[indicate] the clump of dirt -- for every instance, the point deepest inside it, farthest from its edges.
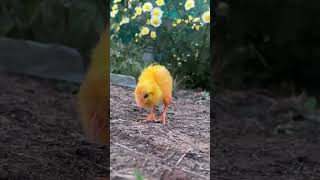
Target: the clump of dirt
(40, 135)
(258, 135)
(153, 148)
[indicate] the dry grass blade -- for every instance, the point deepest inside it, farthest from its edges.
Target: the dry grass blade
(127, 148)
(183, 156)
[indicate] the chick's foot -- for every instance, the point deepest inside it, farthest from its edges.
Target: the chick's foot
(151, 117)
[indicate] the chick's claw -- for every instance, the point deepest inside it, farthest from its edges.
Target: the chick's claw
(151, 117)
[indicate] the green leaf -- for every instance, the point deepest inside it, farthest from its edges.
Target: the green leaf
(138, 175)
(127, 32)
(173, 14)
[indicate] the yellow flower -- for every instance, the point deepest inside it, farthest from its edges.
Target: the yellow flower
(196, 19)
(197, 27)
(125, 10)
(174, 24)
(148, 22)
(189, 4)
(138, 10)
(133, 17)
(124, 20)
(206, 17)
(147, 7)
(117, 28)
(129, 4)
(160, 2)
(113, 13)
(153, 34)
(155, 21)
(145, 31)
(178, 21)
(190, 18)
(115, 7)
(186, 21)
(156, 12)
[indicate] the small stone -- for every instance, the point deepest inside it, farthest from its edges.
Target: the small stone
(123, 80)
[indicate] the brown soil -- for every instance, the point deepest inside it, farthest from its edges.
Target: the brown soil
(40, 136)
(255, 135)
(260, 136)
(153, 148)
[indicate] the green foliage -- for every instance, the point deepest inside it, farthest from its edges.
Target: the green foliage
(138, 175)
(17, 15)
(124, 61)
(184, 48)
(68, 22)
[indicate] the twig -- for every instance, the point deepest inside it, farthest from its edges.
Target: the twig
(183, 156)
(125, 147)
(170, 156)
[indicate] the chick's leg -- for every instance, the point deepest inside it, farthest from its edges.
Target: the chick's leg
(152, 115)
(166, 102)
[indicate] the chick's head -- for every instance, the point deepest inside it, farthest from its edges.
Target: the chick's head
(147, 94)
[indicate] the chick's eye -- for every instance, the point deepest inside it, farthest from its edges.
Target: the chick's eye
(145, 96)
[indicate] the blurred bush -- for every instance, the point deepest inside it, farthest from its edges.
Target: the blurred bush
(124, 61)
(177, 31)
(69, 22)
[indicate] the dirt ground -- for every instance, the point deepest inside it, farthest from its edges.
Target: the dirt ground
(255, 134)
(40, 136)
(258, 135)
(152, 148)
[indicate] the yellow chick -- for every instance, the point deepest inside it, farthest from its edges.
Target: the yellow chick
(154, 85)
(94, 94)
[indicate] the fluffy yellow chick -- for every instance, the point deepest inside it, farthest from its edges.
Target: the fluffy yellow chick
(154, 85)
(94, 94)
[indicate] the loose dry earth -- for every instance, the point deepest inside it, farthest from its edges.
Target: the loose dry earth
(40, 136)
(260, 136)
(256, 135)
(152, 148)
